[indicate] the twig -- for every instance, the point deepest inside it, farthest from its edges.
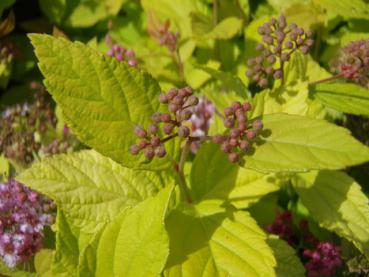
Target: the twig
(179, 168)
(326, 80)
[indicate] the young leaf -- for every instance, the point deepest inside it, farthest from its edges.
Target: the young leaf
(345, 8)
(225, 29)
(336, 201)
(65, 258)
(229, 82)
(221, 244)
(214, 177)
(291, 99)
(296, 143)
(43, 260)
(102, 99)
(136, 242)
(288, 264)
(344, 97)
(89, 187)
(79, 13)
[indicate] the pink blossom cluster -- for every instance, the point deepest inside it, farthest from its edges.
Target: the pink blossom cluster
(321, 258)
(353, 63)
(324, 260)
(201, 119)
(22, 220)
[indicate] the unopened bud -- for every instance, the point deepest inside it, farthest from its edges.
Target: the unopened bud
(163, 98)
(250, 135)
(149, 153)
(233, 157)
(140, 132)
(153, 129)
(183, 131)
(134, 149)
(244, 145)
(229, 123)
(168, 129)
(160, 151)
(257, 125)
(155, 141)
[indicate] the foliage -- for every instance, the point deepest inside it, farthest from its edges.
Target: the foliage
(178, 130)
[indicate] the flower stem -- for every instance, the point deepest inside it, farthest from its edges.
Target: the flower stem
(179, 168)
(326, 80)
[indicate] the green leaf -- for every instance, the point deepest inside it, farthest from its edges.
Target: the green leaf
(221, 244)
(65, 258)
(345, 8)
(214, 177)
(102, 99)
(336, 201)
(250, 187)
(4, 4)
(288, 264)
(343, 97)
(89, 187)
(136, 242)
(291, 99)
(14, 272)
(80, 13)
(43, 260)
(305, 15)
(226, 29)
(296, 143)
(229, 83)
(179, 17)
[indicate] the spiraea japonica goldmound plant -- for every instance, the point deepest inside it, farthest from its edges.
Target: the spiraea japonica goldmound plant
(214, 144)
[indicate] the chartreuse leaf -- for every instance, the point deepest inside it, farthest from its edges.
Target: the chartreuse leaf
(89, 187)
(336, 201)
(217, 244)
(80, 13)
(344, 97)
(214, 177)
(14, 272)
(288, 264)
(179, 17)
(291, 99)
(136, 242)
(228, 82)
(43, 261)
(65, 258)
(226, 29)
(251, 186)
(345, 8)
(102, 99)
(296, 143)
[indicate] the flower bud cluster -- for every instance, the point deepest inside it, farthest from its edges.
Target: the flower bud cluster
(24, 129)
(353, 62)
(241, 133)
(123, 54)
(23, 215)
(164, 36)
(324, 260)
(180, 103)
(279, 42)
(202, 117)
